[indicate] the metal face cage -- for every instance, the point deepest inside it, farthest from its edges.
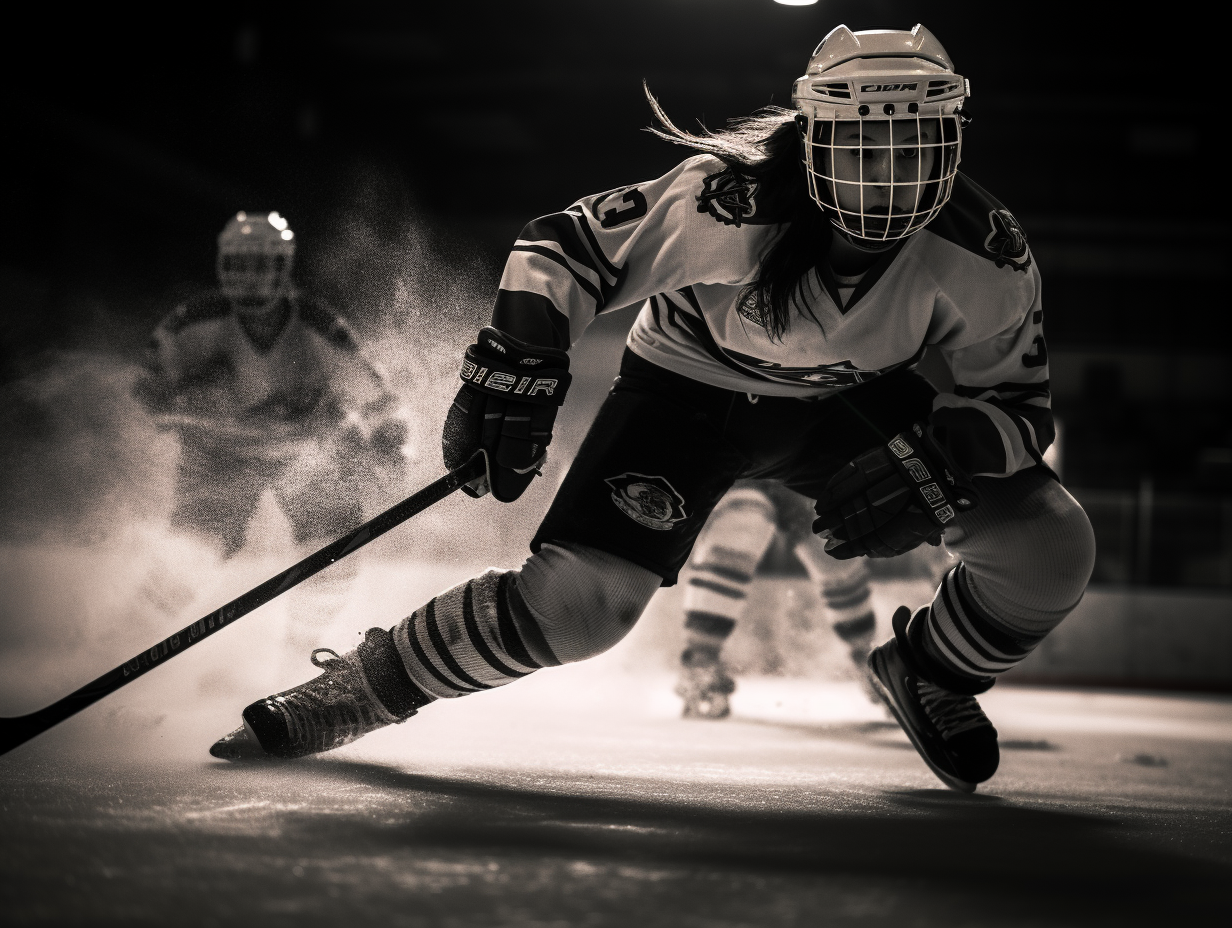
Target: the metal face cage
(881, 178)
(253, 278)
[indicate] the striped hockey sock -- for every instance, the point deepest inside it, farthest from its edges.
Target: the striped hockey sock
(845, 591)
(965, 638)
(848, 600)
(475, 636)
(717, 588)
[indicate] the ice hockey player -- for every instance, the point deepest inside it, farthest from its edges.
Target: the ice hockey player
(790, 276)
(268, 389)
(722, 570)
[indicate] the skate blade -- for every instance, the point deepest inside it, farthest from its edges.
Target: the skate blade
(239, 745)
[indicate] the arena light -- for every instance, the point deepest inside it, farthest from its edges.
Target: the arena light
(795, 2)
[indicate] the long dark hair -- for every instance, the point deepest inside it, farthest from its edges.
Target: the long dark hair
(765, 147)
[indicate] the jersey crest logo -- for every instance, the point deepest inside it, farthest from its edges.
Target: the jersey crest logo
(749, 308)
(1007, 241)
(651, 502)
(729, 197)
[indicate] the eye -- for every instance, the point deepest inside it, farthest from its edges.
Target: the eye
(908, 153)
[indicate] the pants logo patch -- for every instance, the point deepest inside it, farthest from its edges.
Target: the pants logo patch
(651, 502)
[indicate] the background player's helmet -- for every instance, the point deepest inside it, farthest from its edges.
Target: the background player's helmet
(880, 125)
(254, 259)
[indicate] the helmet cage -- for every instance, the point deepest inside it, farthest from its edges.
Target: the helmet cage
(890, 84)
(255, 253)
(829, 186)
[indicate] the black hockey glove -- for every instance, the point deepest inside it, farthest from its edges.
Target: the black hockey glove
(505, 408)
(892, 498)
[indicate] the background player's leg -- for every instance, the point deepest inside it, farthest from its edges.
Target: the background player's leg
(215, 498)
(322, 501)
(716, 591)
(216, 495)
(845, 591)
(565, 604)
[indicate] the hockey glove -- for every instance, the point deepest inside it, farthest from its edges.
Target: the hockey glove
(892, 498)
(505, 408)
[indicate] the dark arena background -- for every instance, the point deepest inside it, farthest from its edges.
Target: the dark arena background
(406, 146)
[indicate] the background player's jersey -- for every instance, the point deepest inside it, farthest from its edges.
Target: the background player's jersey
(299, 370)
(688, 244)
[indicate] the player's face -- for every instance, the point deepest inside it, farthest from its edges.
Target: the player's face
(880, 167)
(252, 281)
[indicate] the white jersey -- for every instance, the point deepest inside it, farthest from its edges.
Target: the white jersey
(303, 370)
(687, 245)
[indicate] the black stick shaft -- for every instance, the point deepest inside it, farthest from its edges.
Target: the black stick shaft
(20, 729)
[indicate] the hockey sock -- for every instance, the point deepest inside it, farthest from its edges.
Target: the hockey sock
(844, 590)
(475, 636)
(721, 571)
(962, 636)
(1027, 552)
(566, 603)
(387, 677)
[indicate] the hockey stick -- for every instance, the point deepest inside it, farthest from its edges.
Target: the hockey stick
(20, 729)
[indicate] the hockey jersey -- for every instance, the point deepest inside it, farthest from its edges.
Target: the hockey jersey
(686, 246)
(300, 366)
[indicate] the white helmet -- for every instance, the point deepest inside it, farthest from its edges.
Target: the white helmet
(254, 259)
(879, 113)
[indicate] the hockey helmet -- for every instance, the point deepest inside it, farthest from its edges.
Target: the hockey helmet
(880, 118)
(255, 251)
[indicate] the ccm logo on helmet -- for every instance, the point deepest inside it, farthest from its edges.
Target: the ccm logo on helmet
(886, 88)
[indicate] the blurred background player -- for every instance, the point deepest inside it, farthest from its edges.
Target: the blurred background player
(724, 567)
(267, 389)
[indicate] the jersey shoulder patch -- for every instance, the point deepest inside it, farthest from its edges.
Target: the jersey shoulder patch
(735, 198)
(197, 309)
(320, 319)
(974, 220)
(729, 196)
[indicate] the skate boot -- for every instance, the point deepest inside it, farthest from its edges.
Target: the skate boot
(864, 676)
(704, 685)
(944, 722)
(357, 693)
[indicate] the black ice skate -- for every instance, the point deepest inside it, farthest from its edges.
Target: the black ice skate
(948, 728)
(704, 685)
(335, 708)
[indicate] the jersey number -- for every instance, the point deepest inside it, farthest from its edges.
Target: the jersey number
(1038, 355)
(635, 209)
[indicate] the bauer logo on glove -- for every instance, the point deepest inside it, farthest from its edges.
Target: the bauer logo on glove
(892, 498)
(505, 408)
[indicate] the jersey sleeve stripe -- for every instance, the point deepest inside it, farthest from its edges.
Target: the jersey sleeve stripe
(562, 230)
(1026, 428)
(551, 254)
(511, 304)
(1007, 387)
(614, 273)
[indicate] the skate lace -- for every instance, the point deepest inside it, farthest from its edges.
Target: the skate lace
(327, 712)
(952, 713)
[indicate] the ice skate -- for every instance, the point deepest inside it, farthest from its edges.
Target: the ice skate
(864, 676)
(949, 729)
(333, 709)
(704, 685)
(239, 745)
